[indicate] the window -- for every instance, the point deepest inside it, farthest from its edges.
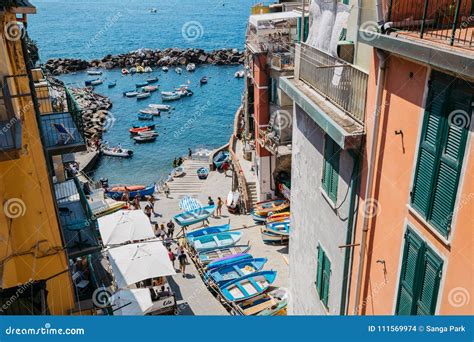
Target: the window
(419, 278)
(331, 168)
(322, 276)
(441, 152)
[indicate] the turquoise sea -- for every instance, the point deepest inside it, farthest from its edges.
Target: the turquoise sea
(92, 29)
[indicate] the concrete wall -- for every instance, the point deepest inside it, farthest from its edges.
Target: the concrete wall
(314, 219)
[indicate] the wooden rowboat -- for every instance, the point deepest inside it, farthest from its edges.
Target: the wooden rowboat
(206, 258)
(212, 241)
(235, 270)
(266, 304)
(248, 286)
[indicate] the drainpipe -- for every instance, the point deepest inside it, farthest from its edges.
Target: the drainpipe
(381, 56)
(352, 214)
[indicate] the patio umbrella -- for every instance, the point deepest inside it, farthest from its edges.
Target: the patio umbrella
(132, 302)
(124, 226)
(135, 262)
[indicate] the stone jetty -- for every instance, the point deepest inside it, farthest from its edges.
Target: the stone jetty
(148, 57)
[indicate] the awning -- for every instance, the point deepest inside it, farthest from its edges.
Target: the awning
(124, 226)
(135, 262)
(132, 302)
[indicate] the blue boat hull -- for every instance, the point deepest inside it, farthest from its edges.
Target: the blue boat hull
(194, 216)
(208, 242)
(228, 260)
(248, 286)
(235, 270)
(219, 254)
(207, 230)
(117, 195)
(220, 159)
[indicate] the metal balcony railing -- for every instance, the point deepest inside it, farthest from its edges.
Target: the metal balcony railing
(450, 21)
(339, 82)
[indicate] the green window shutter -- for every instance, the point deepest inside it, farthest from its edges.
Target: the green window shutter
(326, 278)
(331, 168)
(428, 152)
(319, 272)
(407, 289)
(453, 148)
(431, 268)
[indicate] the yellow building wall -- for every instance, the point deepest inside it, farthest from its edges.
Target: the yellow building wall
(30, 241)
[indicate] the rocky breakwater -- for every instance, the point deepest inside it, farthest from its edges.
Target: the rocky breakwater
(95, 112)
(148, 57)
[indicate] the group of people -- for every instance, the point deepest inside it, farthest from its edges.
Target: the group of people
(179, 161)
(219, 205)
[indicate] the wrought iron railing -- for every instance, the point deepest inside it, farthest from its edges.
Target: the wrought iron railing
(450, 21)
(339, 82)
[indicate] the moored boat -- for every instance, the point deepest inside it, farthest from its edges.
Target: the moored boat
(149, 88)
(209, 257)
(117, 151)
(229, 259)
(248, 286)
(144, 138)
(111, 84)
(142, 116)
(266, 304)
(152, 80)
(125, 71)
(141, 84)
(171, 96)
(218, 240)
(271, 237)
(281, 227)
(136, 129)
(202, 172)
(160, 106)
(194, 216)
(178, 70)
(278, 217)
(148, 69)
(235, 270)
(239, 74)
(131, 93)
(203, 80)
(164, 69)
(271, 206)
(142, 96)
(116, 192)
(150, 111)
(191, 67)
(206, 231)
(221, 158)
(147, 133)
(94, 72)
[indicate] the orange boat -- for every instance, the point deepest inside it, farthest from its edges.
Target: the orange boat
(278, 217)
(135, 130)
(272, 206)
(130, 188)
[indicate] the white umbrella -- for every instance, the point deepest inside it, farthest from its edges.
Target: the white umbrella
(135, 262)
(125, 225)
(132, 302)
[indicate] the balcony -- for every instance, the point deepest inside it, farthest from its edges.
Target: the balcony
(441, 21)
(277, 135)
(75, 216)
(332, 91)
(61, 134)
(282, 61)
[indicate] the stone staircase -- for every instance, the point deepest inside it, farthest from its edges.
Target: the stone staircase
(252, 190)
(189, 183)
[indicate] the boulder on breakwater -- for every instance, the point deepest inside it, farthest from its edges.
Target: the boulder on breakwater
(148, 57)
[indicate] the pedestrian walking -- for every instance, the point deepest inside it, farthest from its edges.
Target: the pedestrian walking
(151, 203)
(225, 167)
(166, 189)
(170, 226)
(210, 201)
(136, 202)
(162, 231)
(148, 211)
(190, 153)
(219, 206)
(171, 256)
(182, 263)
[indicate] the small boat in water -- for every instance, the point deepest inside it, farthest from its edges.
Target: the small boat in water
(125, 71)
(202, 172)
(203, 80)
(206, 231)
(266, 304)
(248, 286)
(148, 69)
(218, 240)
(141, 84)
(170, 96)
(150, 111)
(149, 88)
(239, 74)
(191, 67)
(221, 158)
(116, 192)
(111, 84)
(235, 270)
(194, 216)
(117, 151)
(140, 69)
(136, 129)
(178, 70)
(147, 134)
(133, 70)
(96, 81)
(142, 116)
(209, 257)
(160, 106)
(152, 80)
(165, 69)
(131, 93)
(144, 138)
(94, 72)
(142, 96)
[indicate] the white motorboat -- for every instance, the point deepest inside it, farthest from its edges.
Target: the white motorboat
(148, 69)
(191, 67)
(94, 72)
(164, 69)
(131, 93)
(144, 138)
(151, 111)
(160, 106)
(239, 74)
(117, 151)
(178, 70)
(149, 88)
(97, 82)
(141, 96)
(148, 134)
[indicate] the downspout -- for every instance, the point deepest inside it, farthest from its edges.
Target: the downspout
(381, 56)
(352, 213)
